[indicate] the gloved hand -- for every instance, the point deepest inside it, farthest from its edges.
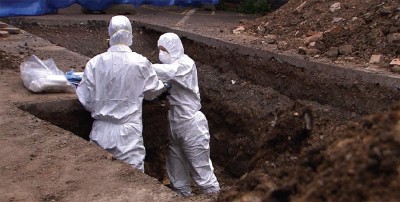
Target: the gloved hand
(167, 86)
(164, 95)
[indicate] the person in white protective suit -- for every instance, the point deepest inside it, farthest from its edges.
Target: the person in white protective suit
(112, 89)
(189, 137)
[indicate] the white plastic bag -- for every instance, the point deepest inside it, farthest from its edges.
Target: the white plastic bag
(44, 76)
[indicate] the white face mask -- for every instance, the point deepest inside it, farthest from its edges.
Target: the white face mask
(164, 57)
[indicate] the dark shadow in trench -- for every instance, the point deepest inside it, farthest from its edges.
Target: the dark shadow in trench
(70, 115)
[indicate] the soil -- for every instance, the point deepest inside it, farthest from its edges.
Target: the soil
(44, 157)
(269, 142)
(365, 27)
(225, 105)
(358, 161)
(360, 164)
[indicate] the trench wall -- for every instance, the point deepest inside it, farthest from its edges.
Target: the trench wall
(238, 125)
(296, 77)
(354, 89)
(240, 114)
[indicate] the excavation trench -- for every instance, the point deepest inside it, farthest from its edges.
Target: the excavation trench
(241, 90)
(71, 116)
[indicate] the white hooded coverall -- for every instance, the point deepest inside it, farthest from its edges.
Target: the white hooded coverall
(112, 89)
(189, 138)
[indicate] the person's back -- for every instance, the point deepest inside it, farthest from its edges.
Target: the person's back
(122, 77)
(189, 151)
(112, 89)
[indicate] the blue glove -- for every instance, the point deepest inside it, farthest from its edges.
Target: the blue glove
(167, 86)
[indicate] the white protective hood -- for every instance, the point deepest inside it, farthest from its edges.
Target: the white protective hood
(120, 31)
(181, 73)
(173, 44)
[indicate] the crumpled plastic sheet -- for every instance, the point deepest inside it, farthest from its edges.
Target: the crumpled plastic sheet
(44, 76)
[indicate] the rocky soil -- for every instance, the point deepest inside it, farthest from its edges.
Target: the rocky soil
(359, 161)
(365, 32)
(359, 164)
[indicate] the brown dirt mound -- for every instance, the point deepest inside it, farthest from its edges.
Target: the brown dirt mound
(353, 32)
(360, 161)
(360, 164)
(363, 164)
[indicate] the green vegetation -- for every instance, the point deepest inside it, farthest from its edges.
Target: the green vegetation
(254, 7)
(245, 6)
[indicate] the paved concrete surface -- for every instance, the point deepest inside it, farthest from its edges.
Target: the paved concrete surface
(196, 20)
